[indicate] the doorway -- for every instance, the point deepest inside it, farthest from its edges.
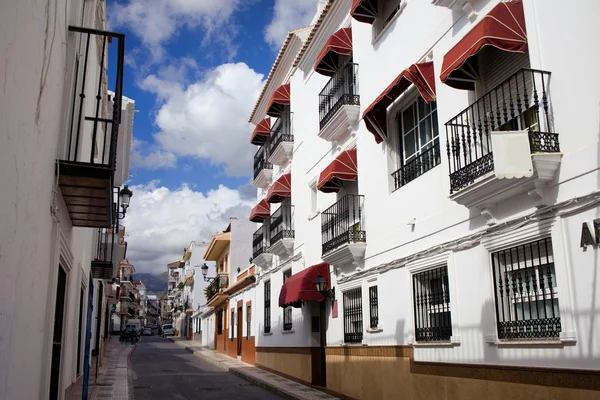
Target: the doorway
(59, 308)
(239, 330)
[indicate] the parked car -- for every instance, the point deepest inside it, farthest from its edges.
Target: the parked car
(147, 332)
(167, 330)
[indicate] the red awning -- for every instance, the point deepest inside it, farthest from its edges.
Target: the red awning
(300, 287)
(364, 10)
(279, 100)
(340, 43)
(343, 168)
(261, 132)
(421, 75)
(503, 28)
(261, 211)
(280, 189)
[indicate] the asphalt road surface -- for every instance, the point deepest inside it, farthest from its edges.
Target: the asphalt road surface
(166, 371)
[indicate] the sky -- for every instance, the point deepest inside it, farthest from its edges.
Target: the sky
(195, 69)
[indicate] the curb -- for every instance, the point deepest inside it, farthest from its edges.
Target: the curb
(131, 376)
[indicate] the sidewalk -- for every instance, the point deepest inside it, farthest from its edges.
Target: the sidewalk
(284, 387)
(112, 382)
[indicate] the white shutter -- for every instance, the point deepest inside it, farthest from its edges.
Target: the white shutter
(497, 65)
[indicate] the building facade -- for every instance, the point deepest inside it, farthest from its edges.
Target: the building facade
(443, 191)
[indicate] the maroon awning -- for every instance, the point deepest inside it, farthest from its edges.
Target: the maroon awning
(503, 28)
(279, 100)
(340, 43)
(421, 75)
(261, 132)
(343, 168)
(280, 189)
(261, 211)
(364, 10)
(301, 287)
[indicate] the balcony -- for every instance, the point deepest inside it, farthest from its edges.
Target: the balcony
(281, 142)
(261, 254)
(517, 108)
(263, 169)
(339, 104)
(86, 169)
(344, 239)
(282, 231)
(215, 291)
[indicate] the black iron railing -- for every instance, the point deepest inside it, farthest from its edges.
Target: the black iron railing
(353, 318)
(339, 91)
(90, 99)
(267, 327)
(433, 321)
(282, 223)
(521, 102)
(373, 307)
(417, 166)
(108, 238)
(281, 131)
(220, 283)
(260, 241)
(261, 160)
(342, 223)
(526, 292)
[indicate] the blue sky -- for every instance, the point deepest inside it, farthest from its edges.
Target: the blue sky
(195, 69)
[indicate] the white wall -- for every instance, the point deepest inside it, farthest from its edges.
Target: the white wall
(240, 249)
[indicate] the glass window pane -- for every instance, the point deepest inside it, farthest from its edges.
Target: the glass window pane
(410, 144)
(408, 120)
(425, 131)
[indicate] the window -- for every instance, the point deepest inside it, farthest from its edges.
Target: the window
(433, 321)
(248, 319)
(373, 304)
(287, 311)
(231, 323)
(220, 322)
(267, 328)
(526, 292)
(418, 141)
(353, 320)
(387, 10)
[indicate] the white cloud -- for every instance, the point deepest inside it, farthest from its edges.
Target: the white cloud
(151, 157)
(161, 222)
(288, 15)
(208, 119)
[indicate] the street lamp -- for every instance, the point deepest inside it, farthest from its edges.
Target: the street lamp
(321, 286)
(204, 269)
(124, 197)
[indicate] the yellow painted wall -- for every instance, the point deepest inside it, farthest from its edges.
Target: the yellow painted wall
(296, 365)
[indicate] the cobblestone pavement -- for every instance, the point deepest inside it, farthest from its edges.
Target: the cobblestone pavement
(164, 370)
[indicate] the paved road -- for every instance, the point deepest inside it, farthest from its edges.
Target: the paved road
(166, 371)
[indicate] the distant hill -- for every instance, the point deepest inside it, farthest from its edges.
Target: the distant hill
(153, 283)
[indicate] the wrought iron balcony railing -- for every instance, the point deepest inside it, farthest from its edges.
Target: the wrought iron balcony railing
(342, 223)
(281, 132)
(282, 223)
(339, 91)
(260, 241)
(261, 160)
(220, 283)
(521, 102)
(417, 166)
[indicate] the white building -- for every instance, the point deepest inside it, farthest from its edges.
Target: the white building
(58, 154)
(455, 249)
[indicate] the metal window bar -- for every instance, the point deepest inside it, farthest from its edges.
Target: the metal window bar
(261, 160)
(232, 324)
(281, 131)
(94, 46)
(267, 327)
(353, 320)
(248, 319)
(287, 311)
(416, 167)
(220, 322)
(282, 223)
(373, 307)
(342, 223)
(432, 314)
(521, 102)
(260, 240)
(340, 90)
(526, 292)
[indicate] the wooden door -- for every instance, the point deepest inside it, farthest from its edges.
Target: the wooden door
(239, 330)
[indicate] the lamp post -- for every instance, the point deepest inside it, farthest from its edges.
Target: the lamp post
(204, 269)
(125, 195)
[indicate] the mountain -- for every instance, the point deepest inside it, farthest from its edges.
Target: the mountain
(154, 283)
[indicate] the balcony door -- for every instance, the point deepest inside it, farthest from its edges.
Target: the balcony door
(57, 334)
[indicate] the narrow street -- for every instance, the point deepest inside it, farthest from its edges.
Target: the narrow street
(166, 371)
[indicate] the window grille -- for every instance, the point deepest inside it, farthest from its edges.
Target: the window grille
(433, 321)
(220, 322)
(373, 304)
(287, 311)
(526, 292)
(231, 323)
(267, 327)
(353, 319)
(248, 319)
